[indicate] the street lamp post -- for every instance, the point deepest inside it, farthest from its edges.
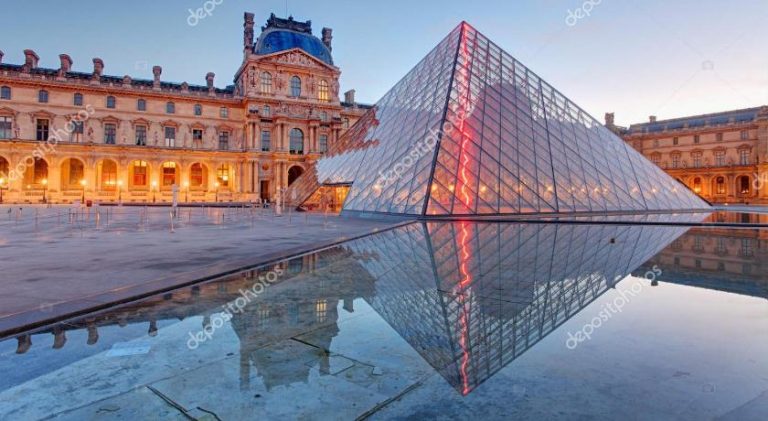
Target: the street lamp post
(83, 183)
(45, 190)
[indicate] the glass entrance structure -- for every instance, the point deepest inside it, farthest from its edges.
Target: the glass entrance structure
(470, 131)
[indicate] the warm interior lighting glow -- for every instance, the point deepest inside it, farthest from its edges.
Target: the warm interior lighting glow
(45, 181)
(83, 182)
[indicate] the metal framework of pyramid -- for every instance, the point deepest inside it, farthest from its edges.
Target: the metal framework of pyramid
(471, 131)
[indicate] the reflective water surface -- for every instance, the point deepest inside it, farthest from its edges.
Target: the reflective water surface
(460, 319)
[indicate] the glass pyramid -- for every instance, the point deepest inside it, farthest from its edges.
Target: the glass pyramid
(471, 131)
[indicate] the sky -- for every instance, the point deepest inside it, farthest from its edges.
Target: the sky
(633, 57)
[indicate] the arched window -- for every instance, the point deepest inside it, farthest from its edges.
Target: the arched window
(77, 99)
(297, 142)
(197, 175)
(322, 143)
(3, 170)
(37, 173)
(169, 174)
(110, 102)
(266, 83)
(141, 105)
(198, 109)
(697, 185)
(5, 92)
(170, 108)
(42, 96)
(222, 175)
(140, 173)
(295, 86)
(720, 185)
(294, 173)
(323, 93)
(72, 172)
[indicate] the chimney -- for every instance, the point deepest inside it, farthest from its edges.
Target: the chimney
(66, 64)
(610, 119)
(328, 38)
(248, 31)
(209, 81)
(652, 119)
(30, 60)
(157, 71)
(349, 96)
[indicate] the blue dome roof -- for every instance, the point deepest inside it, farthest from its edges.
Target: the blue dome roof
(274, 40)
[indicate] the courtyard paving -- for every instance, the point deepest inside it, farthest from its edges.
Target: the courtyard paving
(58, 261)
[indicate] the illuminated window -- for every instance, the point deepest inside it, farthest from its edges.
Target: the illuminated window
(321, 311)
(744, 184)
(139, 169)
(266, 83)
(196, 175)
(323, 93)
(720, 185)
(108, 175)
(169, 174)
(697, 184)
(40, 171)
(295, 86)
(76, 172)
(222, 175)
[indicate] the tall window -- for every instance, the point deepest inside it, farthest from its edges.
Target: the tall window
(197, 137)
(5, 92)
(140, 173)
(697, 184)
(170, 136)
(696, 159)
(746, 247)
(295, 86)
(744, 184)
(170, 108)
(222, 175)
(675, 141)
(77, 99)
(720, 185)
(77, 131)
(224, 141)
(76, 172)
(675, 160)
(110, 102)
(108, 174)
(40, 172)
(696, 139)
(297, 142)
(744, 157)
(224, 112)
(323, 93)
(3, 167)
(266, 111)
(198, 109)
(266, 83)
(323, 116)
(656, 159)
(141, 105)
(196, 175)
(169, 174)
(42, 129)
(42, 96)
(719, 158)
(110, 132)
(5, 128)
(744, 135)
(322, 143)
(266, 140)
(141, 135)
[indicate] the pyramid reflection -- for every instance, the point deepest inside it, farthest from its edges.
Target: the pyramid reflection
(472, 297)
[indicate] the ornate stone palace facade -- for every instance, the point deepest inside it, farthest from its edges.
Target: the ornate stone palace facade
(723, 156)
(67, 134)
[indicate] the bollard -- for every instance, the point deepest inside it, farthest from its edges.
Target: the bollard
(172, 218)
